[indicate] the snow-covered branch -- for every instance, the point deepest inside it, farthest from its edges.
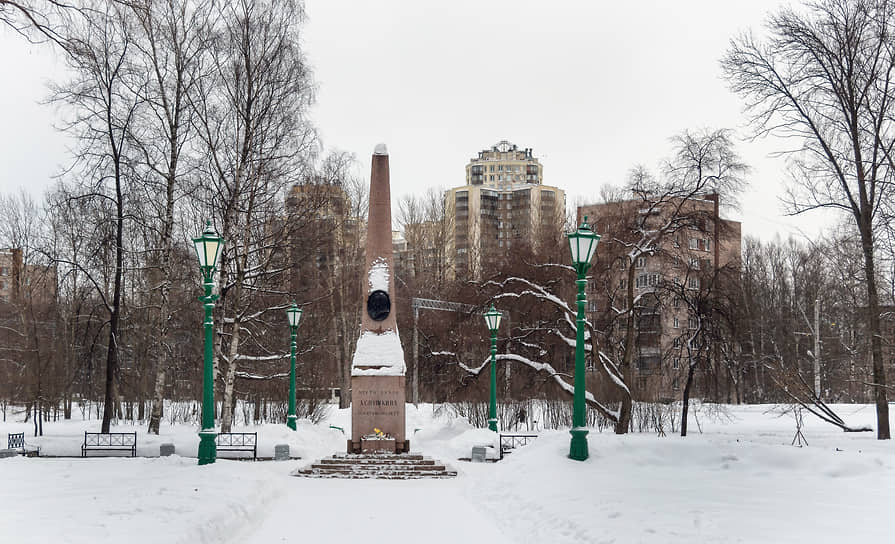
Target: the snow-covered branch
(539, 367)
(250, 376)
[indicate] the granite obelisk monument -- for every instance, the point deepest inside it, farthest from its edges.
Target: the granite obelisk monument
(377, 369)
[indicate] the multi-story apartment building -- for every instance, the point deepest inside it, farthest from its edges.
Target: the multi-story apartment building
(10, 272)
(322, 231)
(673, 283)
(20, 281)
(325, 263)
(504, 164)
(504, 208)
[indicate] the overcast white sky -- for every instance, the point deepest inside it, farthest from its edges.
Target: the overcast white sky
(593, 87)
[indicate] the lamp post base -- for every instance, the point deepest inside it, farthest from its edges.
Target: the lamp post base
(578, 449)
(290, 421)
(208, 450)
(492, 424)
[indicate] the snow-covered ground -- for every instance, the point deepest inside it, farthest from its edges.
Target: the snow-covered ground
(738, 481)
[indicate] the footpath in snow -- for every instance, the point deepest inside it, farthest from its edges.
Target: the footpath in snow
(738, 481)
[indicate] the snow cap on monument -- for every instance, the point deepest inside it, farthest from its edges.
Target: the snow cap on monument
(380, 149)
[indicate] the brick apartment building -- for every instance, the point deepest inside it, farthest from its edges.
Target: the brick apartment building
(677, 271)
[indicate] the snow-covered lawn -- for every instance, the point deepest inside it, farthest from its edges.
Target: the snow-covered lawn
(738, 481)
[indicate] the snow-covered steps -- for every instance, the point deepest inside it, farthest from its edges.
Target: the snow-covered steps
(379, 465)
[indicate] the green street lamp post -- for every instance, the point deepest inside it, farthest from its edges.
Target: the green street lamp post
(208, 249)
(583, 244)
(492, 318)
(294, 315)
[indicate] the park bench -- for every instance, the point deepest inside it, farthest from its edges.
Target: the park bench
(16, 443)
(237, 442)
(109, 442)
(509, 442)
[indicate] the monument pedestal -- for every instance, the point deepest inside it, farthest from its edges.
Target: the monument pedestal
(378, 402)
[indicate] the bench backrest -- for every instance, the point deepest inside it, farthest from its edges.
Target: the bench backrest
(236, 439)
(15, 441)
(510, 441)
(110, 439)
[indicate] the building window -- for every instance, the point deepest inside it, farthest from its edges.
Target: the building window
(676, 262)
(694, 263)
(692, 323)
(677, 340)
(677, 323)
(2, 285)
(693, 283)
(640, 262)
(647, 280)
(676, 384)
(648, 363)
(591, 306)
(708, 244)
(623, 283)
(676, 363)
(694, 243)
(4, 271)
(675, 242)
(676, 303)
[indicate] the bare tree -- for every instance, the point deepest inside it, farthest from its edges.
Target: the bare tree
(251, 116)
(170, 40)
(28, 326)
(648, 224)
(824, 76)
(103, 94)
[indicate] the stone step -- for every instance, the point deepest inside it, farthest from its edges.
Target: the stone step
(383, 466)
(392, 476)
(396, 462)
(371, 471)
(371, 467)
(396, 456)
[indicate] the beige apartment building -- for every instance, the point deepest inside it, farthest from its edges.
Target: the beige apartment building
(503, 209)
(666, 283)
